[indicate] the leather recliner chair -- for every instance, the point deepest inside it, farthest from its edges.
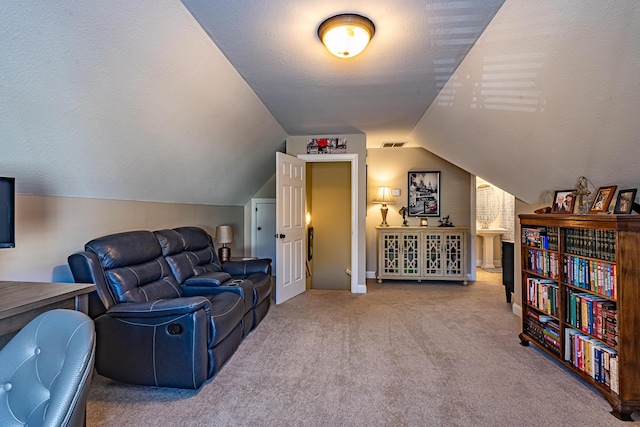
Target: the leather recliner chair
(46, 370)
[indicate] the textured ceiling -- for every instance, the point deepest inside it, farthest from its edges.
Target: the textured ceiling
(383, 92)
(133, 100)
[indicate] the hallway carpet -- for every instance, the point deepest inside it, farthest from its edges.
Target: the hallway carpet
(404, 354)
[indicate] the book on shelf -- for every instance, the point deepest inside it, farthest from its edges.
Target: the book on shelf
(544, 329)
(591, 243)
(541, 237)
(543, 263)
(591, 275)
(543, 295)
(613, 375)
(592, 314)
(591, 357)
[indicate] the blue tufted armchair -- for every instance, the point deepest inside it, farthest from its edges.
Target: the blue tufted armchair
(46, 369)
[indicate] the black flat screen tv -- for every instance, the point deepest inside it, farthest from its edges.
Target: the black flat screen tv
(7, 212)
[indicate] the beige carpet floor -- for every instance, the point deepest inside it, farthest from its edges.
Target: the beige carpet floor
(404, 354)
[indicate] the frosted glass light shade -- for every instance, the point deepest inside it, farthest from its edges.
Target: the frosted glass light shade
(346, 35)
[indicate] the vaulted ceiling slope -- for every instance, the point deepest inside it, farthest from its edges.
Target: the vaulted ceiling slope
(383, 92)
(127, 100)
(133, 100)
(550, 92)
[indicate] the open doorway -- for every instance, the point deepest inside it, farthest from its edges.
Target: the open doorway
(329, 208)
(290, 182)
(495, 231)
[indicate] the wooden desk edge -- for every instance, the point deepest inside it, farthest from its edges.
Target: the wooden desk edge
(65, 292)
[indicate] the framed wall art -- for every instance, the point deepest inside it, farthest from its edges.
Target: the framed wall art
(625, 201)
(326, 145)
(563, 201)
(602, 199)
(424, 193)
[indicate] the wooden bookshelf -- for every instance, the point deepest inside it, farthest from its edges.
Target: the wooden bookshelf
(581, 299)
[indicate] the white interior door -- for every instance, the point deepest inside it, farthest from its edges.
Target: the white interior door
(290, 227)
(263, 226)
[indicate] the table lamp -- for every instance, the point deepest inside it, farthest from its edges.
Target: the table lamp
(384, 196)
(224, 235)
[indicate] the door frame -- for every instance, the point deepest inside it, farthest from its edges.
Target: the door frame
(355, 232)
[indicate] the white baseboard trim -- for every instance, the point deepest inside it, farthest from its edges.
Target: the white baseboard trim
(360, 289)
(517, 309)
(370, 274)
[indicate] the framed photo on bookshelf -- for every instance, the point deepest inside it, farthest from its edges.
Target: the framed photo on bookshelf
(625, 201)
(602, 199)
(563, 201)
(424, 193)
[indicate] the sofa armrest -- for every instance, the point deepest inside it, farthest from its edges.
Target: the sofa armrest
(160, 308)
(244, 288)
(243, 268)
(166, 348)
(208, 279)
(86, 268)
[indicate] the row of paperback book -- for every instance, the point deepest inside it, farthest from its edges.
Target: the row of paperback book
(543, 294)
(545, 329)
(591, 243)
(541, 237)
(594, 315)
(543, 263)
(597, 276)
(592, 357)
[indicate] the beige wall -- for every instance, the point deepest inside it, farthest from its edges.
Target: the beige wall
(390, 167)
(49, 229)
(330, 217)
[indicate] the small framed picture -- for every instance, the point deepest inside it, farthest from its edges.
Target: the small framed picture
(563, 201)
(424, 222)
(625, 201)
(602, 199)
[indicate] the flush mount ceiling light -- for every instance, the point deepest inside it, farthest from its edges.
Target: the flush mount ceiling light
(346, 35)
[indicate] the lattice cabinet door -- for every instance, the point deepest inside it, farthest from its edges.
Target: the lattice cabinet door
(417, 253)
(390, 253)
(432, 254)
(454, 254)
(410, 254)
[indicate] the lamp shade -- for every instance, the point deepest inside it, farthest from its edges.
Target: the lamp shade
(224, 234)
(346, 35)
(383, 196)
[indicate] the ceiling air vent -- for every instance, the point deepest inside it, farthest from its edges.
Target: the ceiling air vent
(393, 144)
